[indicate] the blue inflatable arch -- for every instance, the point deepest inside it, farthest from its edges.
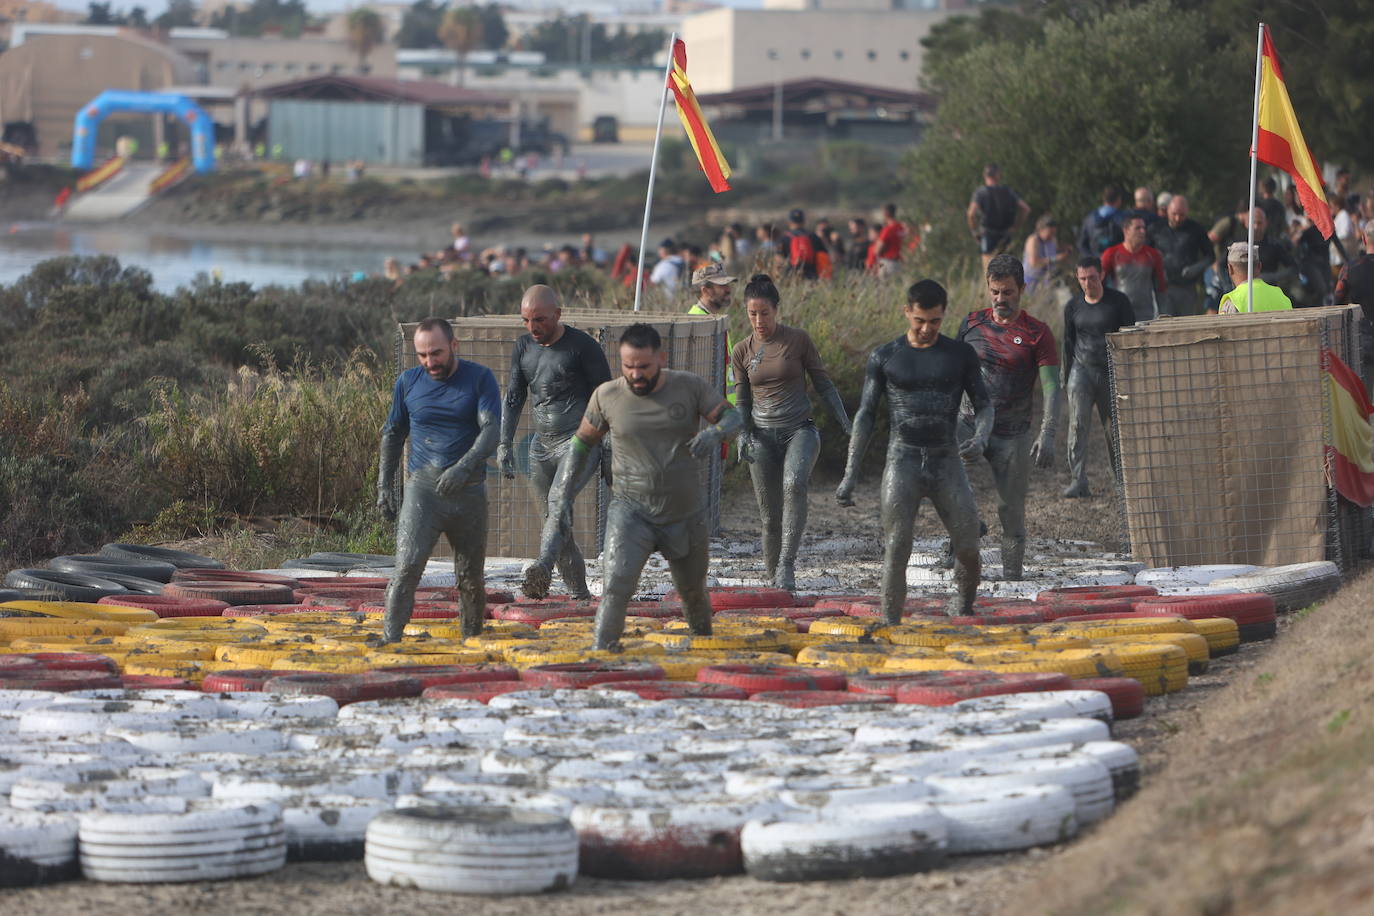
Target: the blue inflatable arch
(91, 114)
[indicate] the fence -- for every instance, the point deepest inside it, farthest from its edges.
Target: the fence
(1223, 424)
(695, 343)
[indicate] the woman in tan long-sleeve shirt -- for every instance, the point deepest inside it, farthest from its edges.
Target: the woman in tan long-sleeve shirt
(779, 440)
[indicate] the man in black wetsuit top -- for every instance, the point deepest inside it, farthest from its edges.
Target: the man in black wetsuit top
(924, 376)
(556, 368)
(1088, 319)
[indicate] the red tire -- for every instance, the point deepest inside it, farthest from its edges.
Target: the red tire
(322, 591)
(70, 661)
(498, 597)
(156, 682)
(1126, 693)
(242, 679)
(771, 678)
(658, 610)
(266, 610)
(346, 688)
(170, 606)
(739, 596)
(791, 613)
(839, 603)
(60, 681)
(890, 684)
(992, 620)
(1243, 608)
(951, 693)
(576, 675)
(670, 690)
(914, 607)
(232, 592)
(444, 675)
(1132, 615)
(1096, 592)
(428, 610)
(534, 615)
(323, 602)
(806, 699)
(1090, 605)
(482, 693)
(232, 575)
(19, 663)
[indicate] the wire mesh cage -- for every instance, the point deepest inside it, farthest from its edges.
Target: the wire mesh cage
(1223, 425)
(694, 343)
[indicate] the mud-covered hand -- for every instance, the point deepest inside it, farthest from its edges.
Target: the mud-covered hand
(455, 479)
(1042, 449)
(386, 502)
(746, 447)
(505, 460)
(973, 448)
(705, 442)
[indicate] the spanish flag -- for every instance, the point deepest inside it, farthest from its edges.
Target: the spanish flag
(1279, 142)
(1350, 453)
(698, 132)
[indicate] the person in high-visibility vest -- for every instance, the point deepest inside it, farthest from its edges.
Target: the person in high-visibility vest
(714, 290)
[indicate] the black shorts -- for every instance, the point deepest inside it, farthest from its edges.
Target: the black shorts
(994, 241)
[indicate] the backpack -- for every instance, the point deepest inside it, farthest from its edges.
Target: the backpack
(1103, 231)
(802, 253)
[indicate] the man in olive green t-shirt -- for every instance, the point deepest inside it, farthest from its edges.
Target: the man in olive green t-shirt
(1268, 298)
(654, 415)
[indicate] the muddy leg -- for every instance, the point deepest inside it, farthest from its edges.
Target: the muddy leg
(1010, 461)
(467, 532)
(571, 565)
(417, 530)
(629, 541)
(954, 503)
(689, 575)
(901, 497)
(766, 472)
(802, 449)
(1102, 395)
(1081, 393)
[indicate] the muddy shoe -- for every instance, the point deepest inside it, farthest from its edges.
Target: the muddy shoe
(785, 579)
(537, 579)
(955, 607)
(1076, 490)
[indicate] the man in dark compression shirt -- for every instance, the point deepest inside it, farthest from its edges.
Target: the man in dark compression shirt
(1088, 319)
(450, 409)
(556, 368)
(924, 376)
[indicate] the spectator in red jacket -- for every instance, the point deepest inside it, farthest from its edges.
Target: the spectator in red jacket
(885, 257)
(1136, 269)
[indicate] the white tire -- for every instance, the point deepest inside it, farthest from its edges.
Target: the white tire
(36, 848)
(881, 841)
(1049, 704)
(210, 738)
(208, 843)
(257, 706)
(654, 839)
(1014, 819)
(999, 733)
(826, 793)
(1086, 778)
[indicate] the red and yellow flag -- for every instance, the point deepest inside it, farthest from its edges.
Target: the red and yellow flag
(1350, 453)
(1280, 141)
(698, 132)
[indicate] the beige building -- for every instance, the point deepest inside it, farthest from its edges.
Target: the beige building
(729, 49)
(19, 12)
(252, 63)
(50, 75)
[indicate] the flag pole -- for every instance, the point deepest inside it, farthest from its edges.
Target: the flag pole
(1251, 253)
(653, 166)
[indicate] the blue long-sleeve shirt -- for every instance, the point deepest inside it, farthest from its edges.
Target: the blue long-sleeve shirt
(440, 417)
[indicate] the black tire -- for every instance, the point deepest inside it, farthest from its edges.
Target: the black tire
(28, 594)
(181, 559)
(134, 584)
(69, 586)
(100, 565)
(336, 561)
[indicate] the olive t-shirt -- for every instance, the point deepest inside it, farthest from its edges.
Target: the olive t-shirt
(650, 463)
(776, 371)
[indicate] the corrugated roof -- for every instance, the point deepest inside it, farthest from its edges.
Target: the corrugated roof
(378, 89)
(798, 93)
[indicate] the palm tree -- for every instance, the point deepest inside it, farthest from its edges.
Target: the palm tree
(365, 32)
(461, 31)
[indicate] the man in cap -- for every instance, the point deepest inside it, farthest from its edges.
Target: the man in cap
(1268, 298)
(712, 286)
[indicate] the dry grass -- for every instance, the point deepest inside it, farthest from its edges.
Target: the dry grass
(1265, 805)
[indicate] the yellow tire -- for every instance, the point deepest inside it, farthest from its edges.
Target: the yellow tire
(12, 628)
(937, 637)
(82, 610)
(394, 659)
(757, 641)
(64, 644)
(1093, 662)
(1222, 634)
(918, 663)
(846, 626)
(1093, 629)
(684, 667)
(338, 664)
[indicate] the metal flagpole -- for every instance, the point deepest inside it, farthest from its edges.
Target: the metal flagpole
(1251, 254)
(653, 167)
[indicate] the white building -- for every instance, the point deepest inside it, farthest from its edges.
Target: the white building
(729, 49)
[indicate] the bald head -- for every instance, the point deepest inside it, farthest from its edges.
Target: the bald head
(1178, 210)
(1144, 199)
(540, 312)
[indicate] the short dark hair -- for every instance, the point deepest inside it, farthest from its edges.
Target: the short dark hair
(1111, 194)
(761, 286)
(859, 221)
(927, 294)
(1133, 216)
(1091, 261)
(436, 324)
(1006, 265)
(641, 336)
(992, 170)
(1269, 185)
(668, 245)
(890, 210)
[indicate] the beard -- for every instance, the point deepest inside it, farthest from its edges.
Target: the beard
(648, 385)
